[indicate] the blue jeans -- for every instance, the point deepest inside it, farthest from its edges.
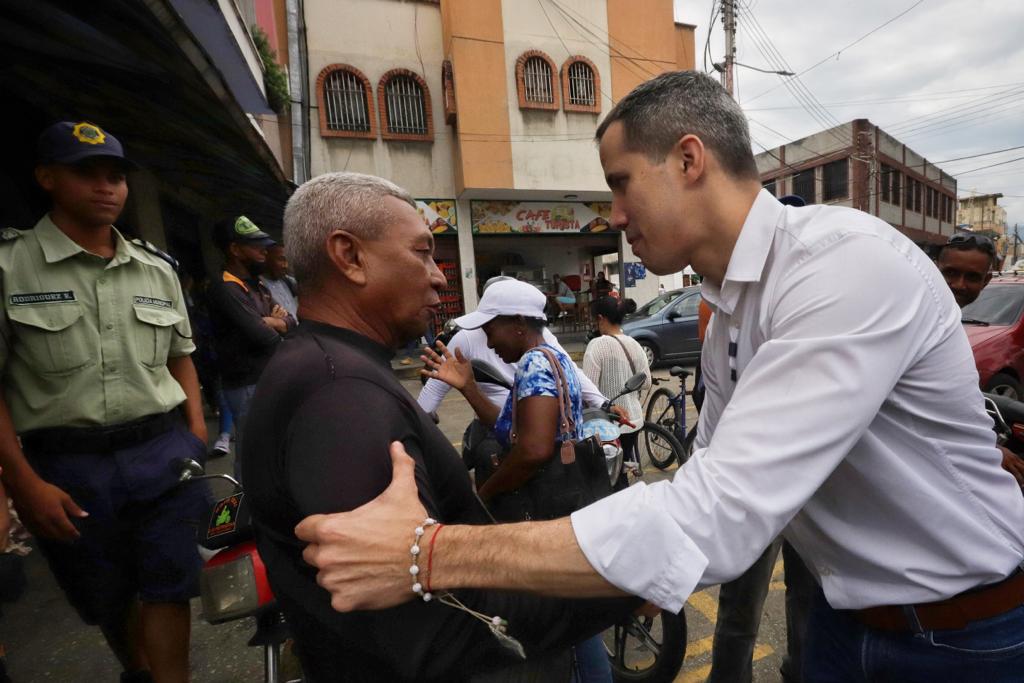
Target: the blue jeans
(592, 664)
(239, 400)
(839, 649)
(226, 420)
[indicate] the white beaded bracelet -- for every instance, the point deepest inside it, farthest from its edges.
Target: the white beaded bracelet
(497, 625)
(417, 587)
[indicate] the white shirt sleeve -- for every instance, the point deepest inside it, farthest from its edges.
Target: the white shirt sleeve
(434, 390)
(840, 329)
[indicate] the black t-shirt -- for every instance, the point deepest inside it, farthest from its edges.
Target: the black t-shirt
(325, 411)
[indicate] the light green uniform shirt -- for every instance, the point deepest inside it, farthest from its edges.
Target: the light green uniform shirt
(84, 341)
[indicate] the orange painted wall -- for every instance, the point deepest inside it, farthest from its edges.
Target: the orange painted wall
(642, 38)
(474, 42)
(686, 58)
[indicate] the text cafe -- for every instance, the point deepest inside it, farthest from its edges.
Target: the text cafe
(534, 241)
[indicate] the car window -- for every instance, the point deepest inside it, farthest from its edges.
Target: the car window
(656, 304)
(997, 305)
(687, 308)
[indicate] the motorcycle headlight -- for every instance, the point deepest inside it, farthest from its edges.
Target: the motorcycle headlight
(613, 460)
(229, 591)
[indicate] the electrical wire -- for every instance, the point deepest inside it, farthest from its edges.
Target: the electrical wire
(841, 50)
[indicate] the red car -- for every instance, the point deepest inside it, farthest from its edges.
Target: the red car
(995, 327)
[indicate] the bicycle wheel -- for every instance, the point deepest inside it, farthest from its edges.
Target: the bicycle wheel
(648, 649)
(659, 446)
(659, 408)
(688, 444)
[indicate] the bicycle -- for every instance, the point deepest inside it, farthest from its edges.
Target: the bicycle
(666, 413)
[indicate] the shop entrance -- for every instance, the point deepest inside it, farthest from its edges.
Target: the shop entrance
(536, 258)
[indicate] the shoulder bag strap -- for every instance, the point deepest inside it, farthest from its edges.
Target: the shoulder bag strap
(629, 358)
(565, 419)
(568, 425)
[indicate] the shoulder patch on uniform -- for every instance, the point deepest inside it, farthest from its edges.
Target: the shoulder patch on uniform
(156, 251)
(9, 234)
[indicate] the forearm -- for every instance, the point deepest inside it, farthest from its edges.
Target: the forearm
(538, 557)
(16, 469)
(486, 411)
(184, 373)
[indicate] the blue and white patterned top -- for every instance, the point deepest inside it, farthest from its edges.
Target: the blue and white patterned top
(535, 377)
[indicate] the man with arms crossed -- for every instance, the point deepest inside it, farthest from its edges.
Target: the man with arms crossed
(846, 417)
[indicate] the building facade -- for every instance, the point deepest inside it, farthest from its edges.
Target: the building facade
(857, 164)
(982, 212)
(486, 110)
(179, 82)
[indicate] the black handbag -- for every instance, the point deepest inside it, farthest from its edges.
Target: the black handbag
(575, 476)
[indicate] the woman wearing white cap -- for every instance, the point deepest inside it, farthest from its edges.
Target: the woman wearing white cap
(511, 313)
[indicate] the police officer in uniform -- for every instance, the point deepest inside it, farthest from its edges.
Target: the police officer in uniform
(98, 384)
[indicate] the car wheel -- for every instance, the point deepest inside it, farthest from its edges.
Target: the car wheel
(1003, 384)
(650, 352)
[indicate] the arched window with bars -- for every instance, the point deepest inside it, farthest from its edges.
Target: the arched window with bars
(536, 81)
(404, 101)
(581, 85)
(345, 100)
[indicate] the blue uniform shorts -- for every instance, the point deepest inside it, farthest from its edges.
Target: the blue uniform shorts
(139, 540)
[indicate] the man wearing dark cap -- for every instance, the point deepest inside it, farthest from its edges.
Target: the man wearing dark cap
(98, 384)
(247, 322)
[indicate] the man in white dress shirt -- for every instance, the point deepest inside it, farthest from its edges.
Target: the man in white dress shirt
(842, 411)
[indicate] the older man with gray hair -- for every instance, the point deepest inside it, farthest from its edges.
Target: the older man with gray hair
(325, 411)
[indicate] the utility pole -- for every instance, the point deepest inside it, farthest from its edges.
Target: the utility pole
(729, 20)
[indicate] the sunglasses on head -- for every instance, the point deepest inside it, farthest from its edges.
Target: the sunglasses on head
(981, 241)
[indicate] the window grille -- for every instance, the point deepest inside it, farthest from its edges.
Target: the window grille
(406, 110)
(835, 180)
(803, 186)
(537, 81)
(345, 102)
(582, 89)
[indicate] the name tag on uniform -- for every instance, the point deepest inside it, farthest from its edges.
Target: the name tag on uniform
(41, 298)
(150, 301)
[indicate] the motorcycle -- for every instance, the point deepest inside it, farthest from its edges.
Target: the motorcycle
(233, 583)
(1008, 416)
(641, 648)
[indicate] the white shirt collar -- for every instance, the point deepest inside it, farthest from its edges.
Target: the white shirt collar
(746, 264)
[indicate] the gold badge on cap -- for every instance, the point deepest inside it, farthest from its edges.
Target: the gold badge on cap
(89, 133)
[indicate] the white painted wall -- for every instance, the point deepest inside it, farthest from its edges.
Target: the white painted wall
(375, 37)
(555, 150)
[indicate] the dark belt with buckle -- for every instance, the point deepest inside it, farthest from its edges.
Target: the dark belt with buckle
(81, 440)
(954, 613)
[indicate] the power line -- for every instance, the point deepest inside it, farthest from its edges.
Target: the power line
(982, 154)
(980, 168)
(841, 50)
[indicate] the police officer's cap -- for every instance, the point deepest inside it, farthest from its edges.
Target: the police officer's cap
(70, 142)
(243, 231)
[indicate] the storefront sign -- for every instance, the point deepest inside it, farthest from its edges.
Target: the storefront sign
(439, 215)
(634, 272)
(496, 217)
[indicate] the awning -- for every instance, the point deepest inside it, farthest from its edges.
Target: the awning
(136, 68)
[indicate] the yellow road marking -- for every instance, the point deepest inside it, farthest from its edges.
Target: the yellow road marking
(697, 648)
(776, 586)
(706, 605)
(457, 444)
(778, 568)
(701, 673)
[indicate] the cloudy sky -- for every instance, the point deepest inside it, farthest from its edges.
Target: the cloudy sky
(946, 78)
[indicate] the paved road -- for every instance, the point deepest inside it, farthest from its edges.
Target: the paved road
(46, 642)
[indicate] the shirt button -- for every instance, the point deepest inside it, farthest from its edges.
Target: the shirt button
(110, 326)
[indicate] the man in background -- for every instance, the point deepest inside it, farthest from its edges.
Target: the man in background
(282, 286)
(248, 323)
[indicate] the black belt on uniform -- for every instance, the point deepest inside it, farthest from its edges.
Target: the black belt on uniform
(81, 440)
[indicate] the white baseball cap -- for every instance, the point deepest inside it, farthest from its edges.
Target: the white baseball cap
(509, 297)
